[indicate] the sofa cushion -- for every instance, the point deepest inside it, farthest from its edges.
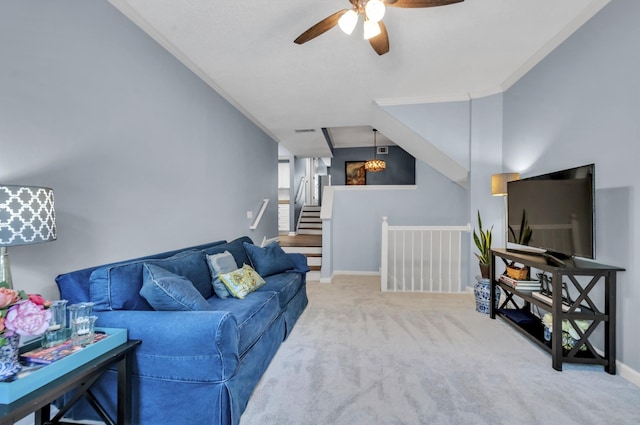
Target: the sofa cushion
(242, 282)
(254, 315)
(117, 286)
(168, 291)
(235, 247)
(285, 285)
(221, 263)
(269, 260)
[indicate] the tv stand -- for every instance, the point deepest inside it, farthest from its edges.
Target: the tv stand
(553, 258)
(602, 278)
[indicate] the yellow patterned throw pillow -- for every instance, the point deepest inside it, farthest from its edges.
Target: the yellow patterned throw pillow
(242, 282)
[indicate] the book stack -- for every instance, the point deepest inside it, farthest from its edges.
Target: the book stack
(52, 354)
(547, 298)
(520, 285)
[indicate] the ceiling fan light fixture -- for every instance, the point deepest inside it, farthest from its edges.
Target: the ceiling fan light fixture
(375, 10)
(371, 29)
(348, 21)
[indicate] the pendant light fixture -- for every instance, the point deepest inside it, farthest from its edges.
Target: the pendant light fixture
(375, 165)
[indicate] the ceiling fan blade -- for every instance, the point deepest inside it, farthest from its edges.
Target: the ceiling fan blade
(320, 28)
(380, 42)
(420, 3)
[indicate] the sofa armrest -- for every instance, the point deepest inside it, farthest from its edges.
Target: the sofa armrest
(300, 262)
(196, 346)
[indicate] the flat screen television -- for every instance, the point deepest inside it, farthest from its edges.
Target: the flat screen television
(557, 210)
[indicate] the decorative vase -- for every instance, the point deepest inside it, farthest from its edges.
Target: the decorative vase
(482, 291)
(9, 358)
(484, 270)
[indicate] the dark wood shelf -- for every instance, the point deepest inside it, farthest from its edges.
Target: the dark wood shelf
(603, 278)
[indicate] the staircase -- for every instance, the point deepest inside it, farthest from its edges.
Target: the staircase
(308, 240)
(310, 222)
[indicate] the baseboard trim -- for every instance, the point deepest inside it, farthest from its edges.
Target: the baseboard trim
(355, 273)
(629, 374)
(347, 273)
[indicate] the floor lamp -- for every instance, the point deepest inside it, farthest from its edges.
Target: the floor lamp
(499, 188)
(27, 216)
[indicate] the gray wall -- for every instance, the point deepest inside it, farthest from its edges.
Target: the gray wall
(401, 166)
(445, 125)
(469, 131)
(578, 106)
(142, 155)
(357, 216)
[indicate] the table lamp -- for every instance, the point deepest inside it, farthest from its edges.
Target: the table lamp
(27, 216)
(499, 188)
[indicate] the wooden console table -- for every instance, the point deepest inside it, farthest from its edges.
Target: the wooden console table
(79, 379)
(601, 276)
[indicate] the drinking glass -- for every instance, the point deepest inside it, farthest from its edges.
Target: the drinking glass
(57, 332)
(83, 330)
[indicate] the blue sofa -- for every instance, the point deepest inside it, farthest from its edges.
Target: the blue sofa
(193, 367)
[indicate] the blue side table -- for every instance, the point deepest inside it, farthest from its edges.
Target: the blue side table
(55, 381)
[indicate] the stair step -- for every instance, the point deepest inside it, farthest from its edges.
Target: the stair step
(310, 220)
(309, 232)
(312, 208)
(314, 261)
(310, 226)
(307, 250)
(313, 276)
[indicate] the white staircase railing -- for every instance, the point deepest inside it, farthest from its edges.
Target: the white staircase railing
(256, 221)
(422, 258)
(300, 192)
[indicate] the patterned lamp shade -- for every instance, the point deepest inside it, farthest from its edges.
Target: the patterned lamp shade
(27, 215)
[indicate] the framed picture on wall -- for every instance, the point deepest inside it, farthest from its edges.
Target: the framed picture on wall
(355, 173)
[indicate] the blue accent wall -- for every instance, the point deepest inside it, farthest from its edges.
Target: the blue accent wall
(401, 166)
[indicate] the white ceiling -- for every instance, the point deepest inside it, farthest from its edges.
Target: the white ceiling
(245, 51)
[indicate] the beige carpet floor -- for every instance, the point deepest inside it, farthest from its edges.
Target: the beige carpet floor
(359, 356)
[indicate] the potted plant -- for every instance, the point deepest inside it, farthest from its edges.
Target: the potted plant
(482, 288)
(482, 239)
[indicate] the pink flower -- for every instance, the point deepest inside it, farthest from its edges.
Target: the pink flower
(26, 318)
(39, 300)
(8, 297)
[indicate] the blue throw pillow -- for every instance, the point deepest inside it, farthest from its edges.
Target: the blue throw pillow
(269, 260)
(221, 263)
(117, 286)
(164, 290)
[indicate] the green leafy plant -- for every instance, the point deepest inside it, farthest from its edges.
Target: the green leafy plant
(482, 239)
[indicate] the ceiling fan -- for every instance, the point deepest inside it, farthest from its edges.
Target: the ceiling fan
(372, 11)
